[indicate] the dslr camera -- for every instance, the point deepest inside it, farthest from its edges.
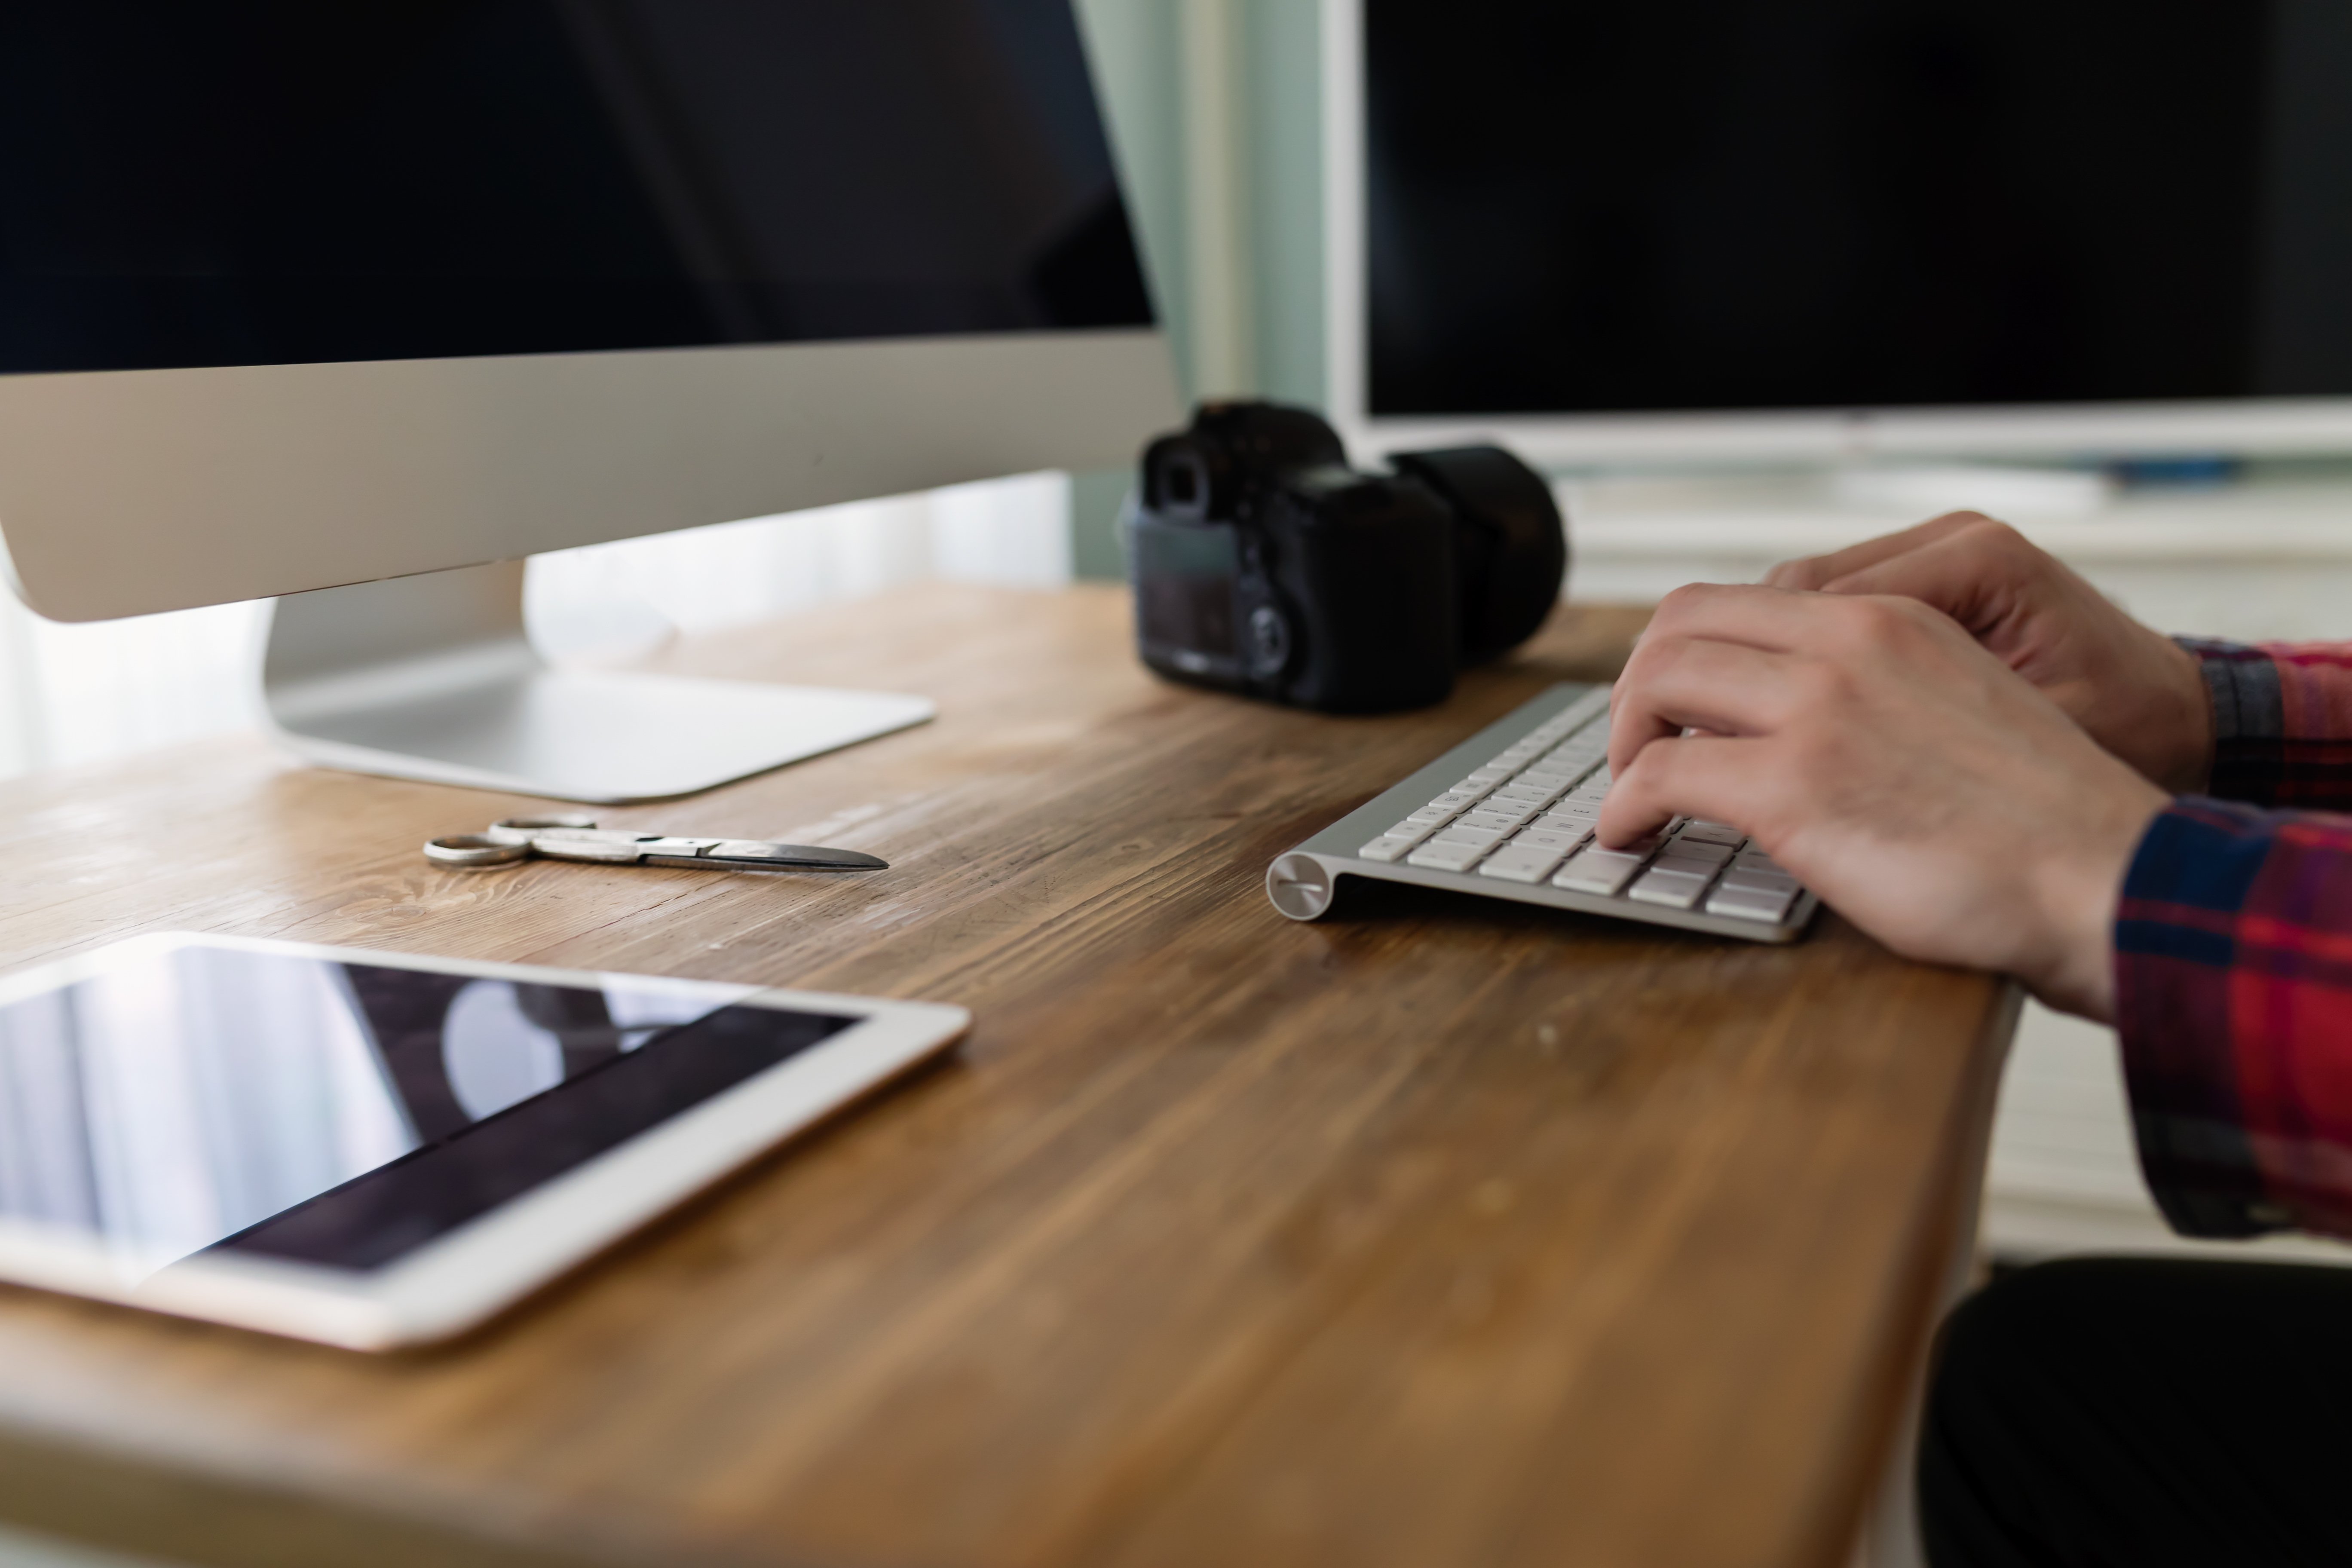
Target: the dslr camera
(1262, 564)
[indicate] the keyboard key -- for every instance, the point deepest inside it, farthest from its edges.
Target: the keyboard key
(1501, 821)
(1664, 885)
(1762, 904)
(1473, 786)
(1575, 810)
(1684, 847)
(1713, 833)
(1520, 862)
(1681, 868)
(1553, 837)
(1453, 800)
(1756, 860)
(1441, 856)
(1409, 828)
(1760, 881)
(1598, 870)
(1430, 815)
(1462, 833)
(1386, 849)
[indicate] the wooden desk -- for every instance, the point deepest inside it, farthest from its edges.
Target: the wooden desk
(1439, 1233)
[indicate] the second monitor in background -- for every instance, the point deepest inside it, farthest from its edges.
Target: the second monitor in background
(1764, 230)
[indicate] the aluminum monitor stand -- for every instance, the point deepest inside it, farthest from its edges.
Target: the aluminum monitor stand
(431, 678)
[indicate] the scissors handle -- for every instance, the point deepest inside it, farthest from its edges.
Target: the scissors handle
(475, 852)
(522, 829)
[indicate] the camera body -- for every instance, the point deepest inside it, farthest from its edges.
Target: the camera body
(1263, 564)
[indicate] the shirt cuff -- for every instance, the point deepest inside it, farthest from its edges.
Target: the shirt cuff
(2175, 952)
(2249, 718)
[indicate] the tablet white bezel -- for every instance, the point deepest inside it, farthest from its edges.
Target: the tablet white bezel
(465, 1276)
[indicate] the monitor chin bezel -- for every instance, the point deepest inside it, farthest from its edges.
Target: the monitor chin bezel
(131, 492)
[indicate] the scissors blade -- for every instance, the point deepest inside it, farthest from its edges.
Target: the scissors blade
(760, 855)
(613, 845)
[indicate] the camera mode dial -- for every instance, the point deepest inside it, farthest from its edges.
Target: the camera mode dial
(1269, 642)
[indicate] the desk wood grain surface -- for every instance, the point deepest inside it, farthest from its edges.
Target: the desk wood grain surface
(1441, 1232)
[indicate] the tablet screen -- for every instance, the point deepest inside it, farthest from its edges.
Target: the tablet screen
(338, 1113)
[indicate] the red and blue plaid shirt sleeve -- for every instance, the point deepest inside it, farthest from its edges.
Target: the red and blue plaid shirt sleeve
(2233, 958)
(2281, 721)
(2233, 998)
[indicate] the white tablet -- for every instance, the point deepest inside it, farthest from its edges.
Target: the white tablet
(374, 1149)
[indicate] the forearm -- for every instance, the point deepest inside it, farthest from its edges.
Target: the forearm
(2234, 988)
(2281, 721)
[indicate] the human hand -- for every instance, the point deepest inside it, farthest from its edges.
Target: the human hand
(1895, 767)
(2139, 693)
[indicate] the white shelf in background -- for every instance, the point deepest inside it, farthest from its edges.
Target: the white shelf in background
(2260, 560)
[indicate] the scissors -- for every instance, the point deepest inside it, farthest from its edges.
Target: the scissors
(515, 839)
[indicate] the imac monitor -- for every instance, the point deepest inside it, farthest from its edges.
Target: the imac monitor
(298, 298)
(1814, 229)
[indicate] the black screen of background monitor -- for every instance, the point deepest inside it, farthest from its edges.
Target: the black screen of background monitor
(339, 1113)
(241, 181)
(1582, 204)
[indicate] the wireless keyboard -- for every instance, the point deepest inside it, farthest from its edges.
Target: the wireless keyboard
(1510, 814)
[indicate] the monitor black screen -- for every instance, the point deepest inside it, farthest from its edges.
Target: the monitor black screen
(239, 182)
(1579, 206)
